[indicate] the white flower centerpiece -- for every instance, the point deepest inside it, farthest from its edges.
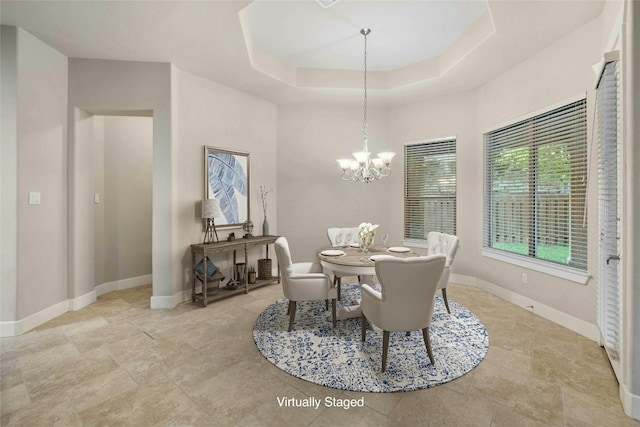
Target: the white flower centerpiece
(367, 233)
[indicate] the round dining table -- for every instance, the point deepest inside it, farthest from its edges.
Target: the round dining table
(352, 261)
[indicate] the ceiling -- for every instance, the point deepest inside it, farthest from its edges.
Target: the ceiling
(292, 52)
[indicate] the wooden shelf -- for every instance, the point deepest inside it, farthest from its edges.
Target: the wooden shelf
(218, 291)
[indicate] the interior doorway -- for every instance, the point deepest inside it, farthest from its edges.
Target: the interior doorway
(122, 175)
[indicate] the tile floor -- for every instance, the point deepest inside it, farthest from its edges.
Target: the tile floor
(118, 363)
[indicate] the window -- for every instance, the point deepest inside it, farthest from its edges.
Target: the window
(430, 188)
(535, 187)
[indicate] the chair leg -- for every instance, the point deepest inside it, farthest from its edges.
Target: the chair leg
(292, 313)
(408, 333)
(289, 308)
(427, 343)
(326, 305)
(385, 349)
(363, 325)
(333, 311)
(446, 301)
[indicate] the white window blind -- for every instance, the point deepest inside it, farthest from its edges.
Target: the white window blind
(607, 111)
(535, 187)
(430, 188)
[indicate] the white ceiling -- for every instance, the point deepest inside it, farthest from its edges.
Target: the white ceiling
(280, 50)
(403, 32)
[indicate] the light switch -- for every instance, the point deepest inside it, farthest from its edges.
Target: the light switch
(96, 198)
(34, 197)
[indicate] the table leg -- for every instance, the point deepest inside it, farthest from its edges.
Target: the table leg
(193, 282)
(204, 281)
(246, 279)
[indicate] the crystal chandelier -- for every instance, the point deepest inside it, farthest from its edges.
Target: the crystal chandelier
(364, 168)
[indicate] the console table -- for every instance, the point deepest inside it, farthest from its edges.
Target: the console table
(208, 249)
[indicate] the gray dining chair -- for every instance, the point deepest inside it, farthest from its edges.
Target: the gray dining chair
(405, 300)
(303, 281)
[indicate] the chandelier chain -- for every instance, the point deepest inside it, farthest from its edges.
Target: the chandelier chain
(364, 127)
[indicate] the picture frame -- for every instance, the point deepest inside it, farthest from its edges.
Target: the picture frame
(227, 178)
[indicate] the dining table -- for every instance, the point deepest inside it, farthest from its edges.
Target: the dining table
(352, 261)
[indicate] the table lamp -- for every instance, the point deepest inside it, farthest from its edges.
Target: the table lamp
(210, 210)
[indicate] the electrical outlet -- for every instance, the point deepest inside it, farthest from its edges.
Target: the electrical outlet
(524, 278)
(225, 264)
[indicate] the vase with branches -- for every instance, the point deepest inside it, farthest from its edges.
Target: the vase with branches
(264, 192)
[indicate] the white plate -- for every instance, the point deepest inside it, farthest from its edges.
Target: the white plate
(332, 252)
(376, 257)
(399, 249)
(355, 245)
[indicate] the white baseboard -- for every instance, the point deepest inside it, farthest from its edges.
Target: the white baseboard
(19, 327)
(579, 326)
(630, 402)
(83, 301)
(131, 282)
(163, 301)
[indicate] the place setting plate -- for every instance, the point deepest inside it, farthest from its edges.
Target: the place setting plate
(399, 249)
(332, 252)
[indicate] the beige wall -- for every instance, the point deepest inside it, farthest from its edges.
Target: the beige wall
(209, 114)
(311, 196)
(38, 149)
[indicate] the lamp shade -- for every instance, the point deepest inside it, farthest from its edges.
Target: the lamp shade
(211, 208)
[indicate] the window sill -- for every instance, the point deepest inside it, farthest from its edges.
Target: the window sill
(560, 271)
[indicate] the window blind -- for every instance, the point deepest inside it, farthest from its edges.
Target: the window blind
(535, 187)
(430, 188)
(607, 112)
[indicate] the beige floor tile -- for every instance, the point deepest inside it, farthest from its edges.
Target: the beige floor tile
(572, 370)
(100, 388)
(83, 326)
(508, 338)
(194, 417)
(10, 373)
(142, 406)
(511, 360)
(505, 418)
(366, 417)
(13, 398)
(54, 411)
(444, 407)
(43, 382)
(584, 408)
(381, 402)
(104, 335)
(522, 394)
(116, 362)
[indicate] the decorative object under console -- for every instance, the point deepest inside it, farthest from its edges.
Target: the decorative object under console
(209, 249)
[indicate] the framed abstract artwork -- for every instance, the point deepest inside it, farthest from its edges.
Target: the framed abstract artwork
(226, 178)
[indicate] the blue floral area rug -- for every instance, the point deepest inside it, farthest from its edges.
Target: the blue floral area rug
(337, 358)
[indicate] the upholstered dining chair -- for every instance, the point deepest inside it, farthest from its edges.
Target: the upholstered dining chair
(406, 299)
(303, 281)
(447, 245)
(338, 237)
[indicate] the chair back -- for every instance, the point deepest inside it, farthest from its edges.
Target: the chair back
(408, 289)
(444, 244)
(333, 233)
(284, 256)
